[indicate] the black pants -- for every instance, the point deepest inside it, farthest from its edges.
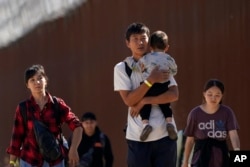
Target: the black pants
(158, 153)
(155, 90)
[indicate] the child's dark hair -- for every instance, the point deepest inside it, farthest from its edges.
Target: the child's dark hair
(136, 28)
(158, 40)
(31, 71)
(214, 82)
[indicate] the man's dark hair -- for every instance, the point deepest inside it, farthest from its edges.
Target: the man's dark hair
(136, 28)
(88, 116)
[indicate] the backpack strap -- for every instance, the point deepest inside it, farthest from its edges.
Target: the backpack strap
(23, 112)
(129, 72)
(128, 69)
(56, 109)
(103, 140)
(57, 114)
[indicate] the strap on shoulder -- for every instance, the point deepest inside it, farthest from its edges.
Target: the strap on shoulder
(57, 114)
(57, 111)
(102, 139)
(128, 69)
(23, 112)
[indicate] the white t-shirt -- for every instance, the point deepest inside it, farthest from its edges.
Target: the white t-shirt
(123, 82)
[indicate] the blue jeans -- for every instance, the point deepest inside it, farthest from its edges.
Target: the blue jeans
(159, 153)
(45, 164)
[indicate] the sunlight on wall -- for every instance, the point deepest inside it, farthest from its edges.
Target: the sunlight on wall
(17, 17)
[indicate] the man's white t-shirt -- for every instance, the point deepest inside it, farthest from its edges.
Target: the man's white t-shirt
(123, 82)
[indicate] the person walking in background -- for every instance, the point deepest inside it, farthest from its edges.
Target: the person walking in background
(158, 149)
(95, 147)
(39, 106)
(208, 126)
(158, 43)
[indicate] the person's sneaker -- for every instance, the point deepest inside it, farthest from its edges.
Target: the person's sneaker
(171, 131)
(145, 132)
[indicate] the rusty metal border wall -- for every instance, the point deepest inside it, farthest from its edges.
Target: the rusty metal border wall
(208, 39)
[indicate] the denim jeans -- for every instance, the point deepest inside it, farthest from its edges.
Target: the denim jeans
(45, 164)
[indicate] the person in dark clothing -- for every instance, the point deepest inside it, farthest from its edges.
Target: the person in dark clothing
(94, 149)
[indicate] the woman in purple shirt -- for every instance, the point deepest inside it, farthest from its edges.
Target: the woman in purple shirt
(208, 127)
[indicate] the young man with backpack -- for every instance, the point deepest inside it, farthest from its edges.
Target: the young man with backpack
(95, 148)
(158, 149)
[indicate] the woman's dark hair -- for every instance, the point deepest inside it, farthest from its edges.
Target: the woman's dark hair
(31, 71)
(214, 82)
(136, 28)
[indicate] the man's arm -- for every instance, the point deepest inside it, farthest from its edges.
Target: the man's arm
(108, 154)
(133, 97)
(169, 96)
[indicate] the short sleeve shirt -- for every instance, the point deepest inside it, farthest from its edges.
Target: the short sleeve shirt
(123, 82)
(201, 125)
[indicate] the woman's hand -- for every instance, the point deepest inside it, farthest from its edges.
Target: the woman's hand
(73, 154)
(73, 158)
(185, 165)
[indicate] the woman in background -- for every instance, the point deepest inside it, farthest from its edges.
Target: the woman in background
(208, 127)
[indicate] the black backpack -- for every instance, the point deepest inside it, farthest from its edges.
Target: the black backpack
(86, 159)
(129, 72)
(128, 69)
(49, 146)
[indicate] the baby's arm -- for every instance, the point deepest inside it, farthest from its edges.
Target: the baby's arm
(172, 66)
